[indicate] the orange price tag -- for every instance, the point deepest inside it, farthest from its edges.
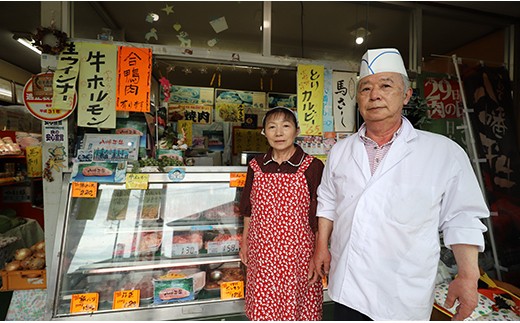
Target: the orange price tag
(137, 181)
(126, 299)
(237, 179)
(84, 189)
(231, 290)
(84, 302)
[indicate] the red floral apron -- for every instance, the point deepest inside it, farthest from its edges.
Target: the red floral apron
(281, 244)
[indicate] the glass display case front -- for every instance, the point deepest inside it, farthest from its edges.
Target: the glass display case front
(167, 252)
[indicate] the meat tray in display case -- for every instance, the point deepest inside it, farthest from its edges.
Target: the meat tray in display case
(167, 252)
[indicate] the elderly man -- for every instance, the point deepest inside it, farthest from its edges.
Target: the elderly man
(385, 194)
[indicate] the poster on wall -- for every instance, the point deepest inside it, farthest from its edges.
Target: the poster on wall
(344, 101)
(191, 103)
(310, 99)
(97, 86)
(65, 77)
(444, 98)
(134, 73)
(232, 105)
(282, 100)
(248, 140)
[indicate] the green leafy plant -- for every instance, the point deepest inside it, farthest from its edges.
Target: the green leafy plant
(417, 111)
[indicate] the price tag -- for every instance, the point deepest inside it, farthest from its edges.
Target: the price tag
(126, 299)
(185, 249)
(231, 246)
(84, 302)
(231, 290)
(137, 181)
(84, 189)
(237, 179)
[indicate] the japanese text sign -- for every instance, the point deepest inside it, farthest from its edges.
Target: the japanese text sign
(87, 302)
(137, 181)
(344, 101)
(134, 72)
(231, 290)
(310, 99)
(97, 86)
(197, 113)
(84, 189)
(248, 140)
(34, 161)
(444, 97)
(126, 299)
(237, 179)
(64, 81)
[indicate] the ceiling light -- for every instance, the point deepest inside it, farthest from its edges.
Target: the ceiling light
(27, 44)
(360, 34)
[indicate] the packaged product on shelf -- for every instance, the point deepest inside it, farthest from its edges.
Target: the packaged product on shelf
(215, 277)
(228, 212)
(173, 290)
(185, 243)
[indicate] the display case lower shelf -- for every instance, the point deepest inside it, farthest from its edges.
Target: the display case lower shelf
(114, 267)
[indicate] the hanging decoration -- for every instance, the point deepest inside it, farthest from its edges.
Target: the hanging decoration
(212, 42)
(177, 26)
(49, 40)
(165, 85)
(168, 9)
(151, 34)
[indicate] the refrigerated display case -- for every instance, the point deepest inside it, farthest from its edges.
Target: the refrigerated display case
(170, 246)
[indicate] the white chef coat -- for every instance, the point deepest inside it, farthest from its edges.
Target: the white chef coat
(385, 240)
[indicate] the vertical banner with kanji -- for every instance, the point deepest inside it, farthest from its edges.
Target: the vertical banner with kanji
(97, 86)
(134, 72)
(64, 81)
(446, 115)
(310, 99)
(344, 98)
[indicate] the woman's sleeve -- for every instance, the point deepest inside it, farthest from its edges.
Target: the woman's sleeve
(245, 201)
(313, 176)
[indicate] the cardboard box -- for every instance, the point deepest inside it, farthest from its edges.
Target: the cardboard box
(23, 279)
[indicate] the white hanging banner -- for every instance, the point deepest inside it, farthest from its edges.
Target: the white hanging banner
(344, 101)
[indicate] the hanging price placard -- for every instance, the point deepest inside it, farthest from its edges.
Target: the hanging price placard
(84, 302)
(84, 189)
(137, 181)
(126, 299)
(237, 179)
(231, 290)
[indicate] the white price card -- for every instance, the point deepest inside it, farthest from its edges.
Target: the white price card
(185, 249)
(231, 246)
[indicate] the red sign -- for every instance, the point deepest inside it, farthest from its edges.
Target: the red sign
(41, 107)
(444, 97)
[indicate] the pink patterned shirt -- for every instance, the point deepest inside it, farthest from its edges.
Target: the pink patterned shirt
(375, 152)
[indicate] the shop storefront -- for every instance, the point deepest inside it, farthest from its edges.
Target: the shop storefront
(144, 149)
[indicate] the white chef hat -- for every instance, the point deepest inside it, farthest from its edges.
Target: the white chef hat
(381, 60)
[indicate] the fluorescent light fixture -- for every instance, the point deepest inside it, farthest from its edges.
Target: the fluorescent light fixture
(6, 93)
(28, 44)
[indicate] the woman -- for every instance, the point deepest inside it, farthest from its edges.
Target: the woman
(279, 208)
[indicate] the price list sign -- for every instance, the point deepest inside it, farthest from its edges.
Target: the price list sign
(84, 189)
(126, 299)
(185, 249)
(84, 302)
(232, 290)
